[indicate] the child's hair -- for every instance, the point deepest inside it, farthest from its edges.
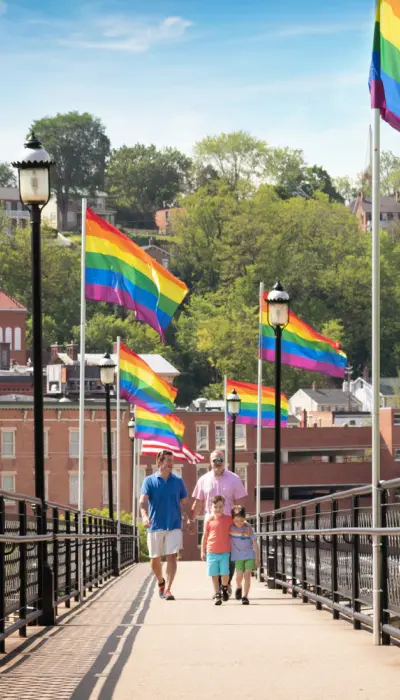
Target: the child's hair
(218, 499)
(239, 512)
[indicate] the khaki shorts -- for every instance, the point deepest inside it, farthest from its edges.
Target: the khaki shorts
(163, 542)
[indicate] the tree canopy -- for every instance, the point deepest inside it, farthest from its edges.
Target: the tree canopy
(7, 175)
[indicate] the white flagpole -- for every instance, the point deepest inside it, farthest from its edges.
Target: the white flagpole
(118, 454)
(259, 428)
(138, 453)
(134, 479)
(225, 424)
(82, 402)
(376, 442)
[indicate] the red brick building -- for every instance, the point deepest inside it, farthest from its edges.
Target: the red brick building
(13, 327)
(314, 460)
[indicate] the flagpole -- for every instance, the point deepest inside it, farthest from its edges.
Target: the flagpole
(134, 489)
(225, 423)
(259, 428)
(118, 455)
(376, 505)
(138, 453)
(82, 401)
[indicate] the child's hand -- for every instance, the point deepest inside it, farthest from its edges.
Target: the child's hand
(203, 556)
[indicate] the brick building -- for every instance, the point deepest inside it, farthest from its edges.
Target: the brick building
(315, 461)
(13, 327)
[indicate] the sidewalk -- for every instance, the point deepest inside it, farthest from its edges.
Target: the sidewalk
(128, 644)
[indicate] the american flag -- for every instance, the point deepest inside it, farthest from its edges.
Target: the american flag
(152, 447)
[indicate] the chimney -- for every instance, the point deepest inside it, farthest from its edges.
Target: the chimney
(72, 351)
(114, 350)
(55, 349)
(313, 386)
(303, 422)
(366, 373)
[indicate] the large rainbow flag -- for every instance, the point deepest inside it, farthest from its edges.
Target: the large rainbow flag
(140, 385)
(120, 272)
(248, 394)
(302, 346)
(166, 429)
(384, 79)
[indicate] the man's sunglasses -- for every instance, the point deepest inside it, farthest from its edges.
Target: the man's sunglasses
(218, 461)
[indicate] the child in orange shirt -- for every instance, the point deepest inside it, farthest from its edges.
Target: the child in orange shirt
(216, 547)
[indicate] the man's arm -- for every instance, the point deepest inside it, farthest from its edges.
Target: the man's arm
(185, 515)
(257, 553)
(144, 509)
(197, 508)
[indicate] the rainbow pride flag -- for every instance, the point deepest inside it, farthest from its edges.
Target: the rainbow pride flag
(140, 385)
(248, 394)
(384, 79)
(302, 346)
(166, 429)
(120, 272)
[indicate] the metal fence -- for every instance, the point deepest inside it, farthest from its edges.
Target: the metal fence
(38, 572)
(321, 550)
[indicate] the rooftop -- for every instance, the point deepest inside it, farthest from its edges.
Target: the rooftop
(388, 204)
(8, 303)
(335, 397)
(157, 362)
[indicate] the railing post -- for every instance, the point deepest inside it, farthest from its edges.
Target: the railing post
(334, 557)
(283, 522)
(355, 562)
(56, 546)
(91, 554)
(294, 552)
(77, 572)
(385, 637)
(272, 558)
(97, 553)
(303, 557)
(45, 573)
(22, 566)
(68, 558)
(318, 605)
(2, 577)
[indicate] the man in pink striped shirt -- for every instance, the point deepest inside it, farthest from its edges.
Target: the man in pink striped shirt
(218, 482)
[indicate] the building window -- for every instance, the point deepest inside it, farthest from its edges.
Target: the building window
(8, 482)
(219, 436)
(200, 530)
(74, 443)
(200, 471)
(17, 338)
(165, 263)
(9, 337)
(396, 419)
(202, 438)
(397, 454)
(241, 471)
(240, 437)
(178, 470)
(105, 487)
(8, 443)
(73, 488)
(104, 443)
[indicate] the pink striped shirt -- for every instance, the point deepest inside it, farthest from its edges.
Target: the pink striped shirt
(228, 485)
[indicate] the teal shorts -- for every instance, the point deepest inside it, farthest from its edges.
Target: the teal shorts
(245, 565)
(218, 564)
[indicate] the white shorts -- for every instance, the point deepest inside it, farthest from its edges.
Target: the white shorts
(162, 542)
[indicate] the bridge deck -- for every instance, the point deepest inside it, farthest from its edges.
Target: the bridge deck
(127, 643)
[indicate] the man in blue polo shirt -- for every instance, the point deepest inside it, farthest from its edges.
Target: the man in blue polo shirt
(163, 502)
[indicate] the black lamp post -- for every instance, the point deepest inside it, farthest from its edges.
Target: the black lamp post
(34, 191)
(233, 405)
(131, 432)
(107, 378)
(278, 318)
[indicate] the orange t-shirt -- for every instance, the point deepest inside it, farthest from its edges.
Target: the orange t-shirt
(217, 530)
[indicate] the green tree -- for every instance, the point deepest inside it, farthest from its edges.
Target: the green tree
(7, 175)
(80, 147)
(141, 178)
(103, 327)
(346, 187)
(234, 157)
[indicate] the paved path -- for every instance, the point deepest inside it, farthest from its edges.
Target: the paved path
(127, 644)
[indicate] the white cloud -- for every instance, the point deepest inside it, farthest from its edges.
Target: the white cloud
(120, 34)
(321, 29)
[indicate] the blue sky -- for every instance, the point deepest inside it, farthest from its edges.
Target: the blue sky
(170, 72)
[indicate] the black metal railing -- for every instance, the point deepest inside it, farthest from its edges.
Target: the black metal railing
(34, 580)
(321, 550)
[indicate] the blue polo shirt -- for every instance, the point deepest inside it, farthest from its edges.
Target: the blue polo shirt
(165, 497)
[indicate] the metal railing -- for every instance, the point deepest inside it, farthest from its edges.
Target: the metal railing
(321, 550)
(38, 572)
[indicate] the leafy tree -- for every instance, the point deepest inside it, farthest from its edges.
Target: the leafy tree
(346, 187)
(103, 327)
(7, 175)
(80, 147)
(141, 178)
(235, 156)
(284, 169)
(390, 173)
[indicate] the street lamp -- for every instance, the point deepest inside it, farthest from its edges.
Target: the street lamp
(278, 318)
(107, 378)
(34, 192)
(131, 433)
(233, 405)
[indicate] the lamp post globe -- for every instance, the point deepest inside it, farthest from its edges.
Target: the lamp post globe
(34, 173)
(233, 402)
(131, 428)
(278, 306)
(107, 378)
(107, 370)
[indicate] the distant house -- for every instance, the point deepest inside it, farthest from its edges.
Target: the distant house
(10, 201)
(323, 401)
(99, 204)
(390, 211)
(361, 389)
(160, 254)
(164, 220)
(12, 329)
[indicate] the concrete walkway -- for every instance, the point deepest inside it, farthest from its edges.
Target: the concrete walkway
(128, 644)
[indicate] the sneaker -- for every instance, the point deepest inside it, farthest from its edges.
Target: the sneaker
(218, 600)
(238, 594)
(229, 590)
(168, 596)
(225, 593)
(161, 588)
(245, 601)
